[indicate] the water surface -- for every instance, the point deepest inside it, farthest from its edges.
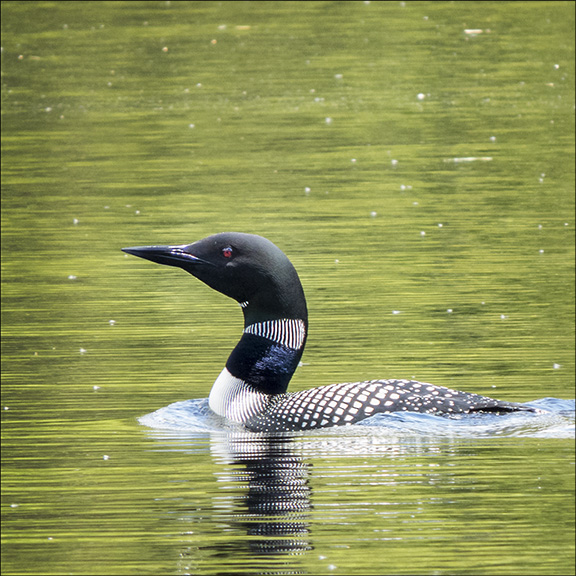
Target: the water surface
(416, 163)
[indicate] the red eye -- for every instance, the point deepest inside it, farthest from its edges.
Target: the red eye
(227, 252)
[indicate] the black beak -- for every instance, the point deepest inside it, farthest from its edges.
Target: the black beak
(169, 255)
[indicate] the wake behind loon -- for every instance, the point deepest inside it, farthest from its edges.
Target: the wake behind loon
(251, 389)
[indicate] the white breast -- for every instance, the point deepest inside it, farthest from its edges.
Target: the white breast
(234, 399)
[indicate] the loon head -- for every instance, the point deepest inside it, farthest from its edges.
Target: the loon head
(248, 268)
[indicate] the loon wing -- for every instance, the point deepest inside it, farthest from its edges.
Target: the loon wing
(347, 403)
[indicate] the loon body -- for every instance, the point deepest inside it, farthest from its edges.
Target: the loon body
(252, 388)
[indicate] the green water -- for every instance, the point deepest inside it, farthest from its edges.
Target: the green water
(413, 157)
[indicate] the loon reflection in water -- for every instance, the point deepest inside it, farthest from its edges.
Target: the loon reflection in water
(251, 389)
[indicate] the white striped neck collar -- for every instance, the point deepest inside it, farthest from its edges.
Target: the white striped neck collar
(289, 332)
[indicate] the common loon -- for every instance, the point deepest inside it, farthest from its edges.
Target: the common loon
(251, 389)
